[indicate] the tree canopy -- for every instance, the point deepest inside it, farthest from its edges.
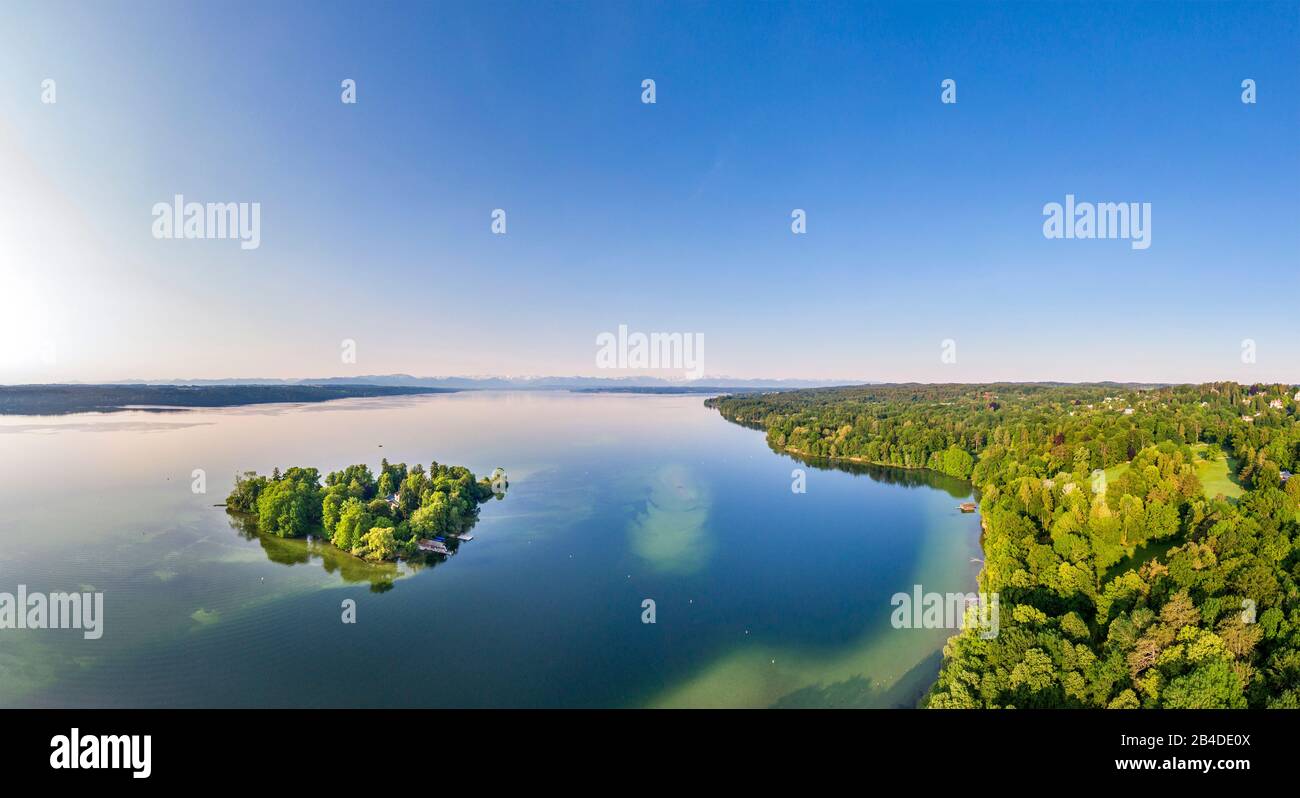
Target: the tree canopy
(375, 517)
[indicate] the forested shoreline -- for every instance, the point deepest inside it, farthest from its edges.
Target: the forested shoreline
(41, 400)
(1124, 581)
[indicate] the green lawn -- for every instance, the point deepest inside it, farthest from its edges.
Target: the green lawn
(1217, 476)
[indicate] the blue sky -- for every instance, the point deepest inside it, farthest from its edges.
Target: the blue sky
(924, 219)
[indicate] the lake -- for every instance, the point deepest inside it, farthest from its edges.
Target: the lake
(762, 596)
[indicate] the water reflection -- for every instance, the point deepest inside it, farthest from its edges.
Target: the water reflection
(764, 597)
(862, 692)
(353, 570)
(890, 475)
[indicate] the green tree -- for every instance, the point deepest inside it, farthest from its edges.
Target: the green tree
(377, 544)
(354, 521)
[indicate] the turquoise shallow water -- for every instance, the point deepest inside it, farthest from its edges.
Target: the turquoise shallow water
(762, 596)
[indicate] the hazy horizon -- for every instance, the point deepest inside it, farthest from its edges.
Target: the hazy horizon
(634, 379)
(924, 220)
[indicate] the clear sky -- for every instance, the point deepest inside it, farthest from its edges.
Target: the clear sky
(924, 219)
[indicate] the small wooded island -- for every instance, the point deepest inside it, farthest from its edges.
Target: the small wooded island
(399, 514)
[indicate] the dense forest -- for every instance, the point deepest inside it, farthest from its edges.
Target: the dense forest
(375, 518)
(1143, 540)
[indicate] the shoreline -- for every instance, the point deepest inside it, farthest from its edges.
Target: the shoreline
(63, 400)
(983, 533)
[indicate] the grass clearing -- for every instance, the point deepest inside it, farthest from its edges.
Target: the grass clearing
(1218, 475)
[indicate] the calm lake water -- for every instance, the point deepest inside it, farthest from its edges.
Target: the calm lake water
(763, 597)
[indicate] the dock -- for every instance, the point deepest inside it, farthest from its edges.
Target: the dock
(434, 546)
